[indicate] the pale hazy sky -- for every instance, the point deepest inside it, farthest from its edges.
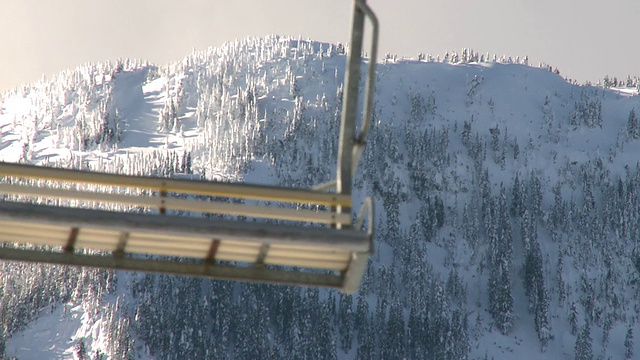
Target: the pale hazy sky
(585, 39)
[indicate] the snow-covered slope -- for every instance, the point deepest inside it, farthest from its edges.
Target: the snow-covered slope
(506, 197)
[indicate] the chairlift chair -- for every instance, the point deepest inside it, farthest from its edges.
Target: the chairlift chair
(316, 242)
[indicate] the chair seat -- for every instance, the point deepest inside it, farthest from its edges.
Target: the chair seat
(241, 250)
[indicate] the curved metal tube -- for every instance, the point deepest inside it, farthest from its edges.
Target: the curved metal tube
(360, 140)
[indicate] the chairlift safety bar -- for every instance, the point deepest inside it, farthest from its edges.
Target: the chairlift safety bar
(252, 250)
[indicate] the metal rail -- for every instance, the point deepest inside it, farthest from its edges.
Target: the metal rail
(360, 141)
(194, 205)
(252, 274)
(350, 147)
(160, 188)
(182, 228)
(195, 187)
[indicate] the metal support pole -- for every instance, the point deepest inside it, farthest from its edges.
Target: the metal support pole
(350, 106)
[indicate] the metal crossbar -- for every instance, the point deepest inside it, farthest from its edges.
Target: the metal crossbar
(160, 202)
(159, 188)
(195, 187)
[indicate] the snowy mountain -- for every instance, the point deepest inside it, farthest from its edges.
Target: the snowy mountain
(507, 202)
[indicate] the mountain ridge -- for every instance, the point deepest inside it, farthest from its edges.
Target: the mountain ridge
(487, 177)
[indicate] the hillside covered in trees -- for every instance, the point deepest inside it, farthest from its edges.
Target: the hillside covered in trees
(507, 204)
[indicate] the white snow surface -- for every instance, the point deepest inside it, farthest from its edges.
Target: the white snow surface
(55, 334)
(487, 94)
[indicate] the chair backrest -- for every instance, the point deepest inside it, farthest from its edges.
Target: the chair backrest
(161, 194)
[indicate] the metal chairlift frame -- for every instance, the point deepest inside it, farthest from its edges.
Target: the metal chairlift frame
(333, 252)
